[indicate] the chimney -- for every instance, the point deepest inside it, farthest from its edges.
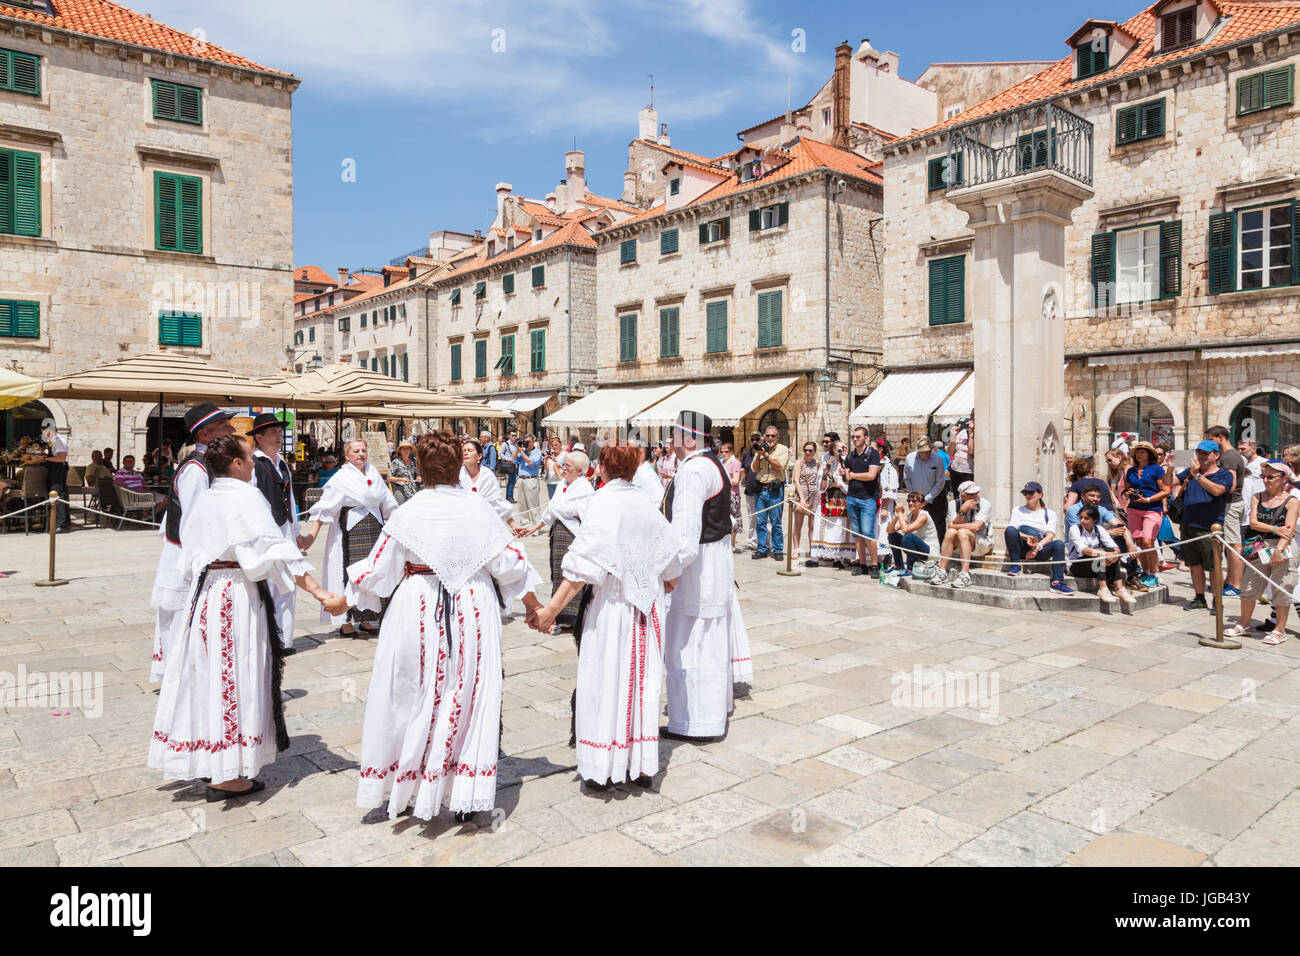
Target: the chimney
(550, 201)
(788, 131)
(663, 139)
(576, 175)
(503, 190)
(344, 275)
(647, 123)
(562, 197)
(840, 95)
(629, 187)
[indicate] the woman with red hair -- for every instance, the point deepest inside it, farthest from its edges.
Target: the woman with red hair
(624, 560)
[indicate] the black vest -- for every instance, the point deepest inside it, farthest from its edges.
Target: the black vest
(274, 488)
(173, 517)
(716, 523)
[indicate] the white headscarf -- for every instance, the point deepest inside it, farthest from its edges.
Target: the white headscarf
(363, 492)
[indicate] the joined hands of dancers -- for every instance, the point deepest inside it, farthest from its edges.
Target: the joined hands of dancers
(542, 617)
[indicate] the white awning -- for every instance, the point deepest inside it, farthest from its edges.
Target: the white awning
(1141, 358)
(1250, 351)
(908, 398)
(960, 403)
(520, 403)
(609, 407)
(725, 402)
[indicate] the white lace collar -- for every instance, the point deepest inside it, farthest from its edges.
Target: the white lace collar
(452, 530)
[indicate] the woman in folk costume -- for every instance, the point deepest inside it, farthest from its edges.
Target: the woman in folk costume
(355, 504)
(275, 481)
(563, 515)
(483, 482)
(204, 423)
(622, 562)
(705, 634)
(431, 728)
(219, 711)
(831, 542)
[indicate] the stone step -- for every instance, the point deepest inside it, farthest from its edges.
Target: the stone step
(1029, 600)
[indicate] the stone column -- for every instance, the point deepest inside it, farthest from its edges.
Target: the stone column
(1016, 287)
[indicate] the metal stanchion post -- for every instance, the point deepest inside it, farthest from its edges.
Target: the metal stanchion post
(1216, 585)
(50, 521)
(790, 571)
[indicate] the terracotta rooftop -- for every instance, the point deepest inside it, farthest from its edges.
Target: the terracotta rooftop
(693, 157)
(100, 18)
(804, 156)
(312, 274)
(1243, 19)
(571, 233)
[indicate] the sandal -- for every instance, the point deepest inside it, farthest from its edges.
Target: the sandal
(1236, 630)
(348, 633)
(1275, 637)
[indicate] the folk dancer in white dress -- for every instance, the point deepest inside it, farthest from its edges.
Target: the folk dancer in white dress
(355, 504)
(219, 710)
(621, 563)
(647, 481)
(563, 515)
(483, 482)
(831, 541)
(204, 423)
(431, 732)
(707, 645)
(275, 481)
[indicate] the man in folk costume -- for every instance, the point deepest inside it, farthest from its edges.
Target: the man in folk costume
(204, 423)
(623, 560)
(275, 482)
(429, 739)
(219, 711)
(707, 645)
(355, 503)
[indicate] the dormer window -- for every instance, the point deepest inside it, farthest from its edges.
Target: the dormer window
(826, 117)
(674, 186)
(1178, 28)
(537, 235)
(1093, 56)
(749, 171)
(492, 247)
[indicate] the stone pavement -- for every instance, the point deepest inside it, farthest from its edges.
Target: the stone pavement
(1073, 738)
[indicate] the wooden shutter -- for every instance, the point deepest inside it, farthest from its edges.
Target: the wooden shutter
(627, 338)
(938, 291)
(1126, 125)
(935, 178)
(1171, 259)
(955, 299)
(508, 283)
(169, 329)
(455, 362)
(667, 333)
(20, 72)
(165, 205)
(6, 192)
(726, 227)
(704, 233)
(1223, 252)
(1103, 270)
(1279, 86)
(191, 324)
(716, 326)
(539, 276)
(627, 251)
(769, 319)
(25, 190)
(406, 366)
(667, 242)
(455, 296)
(755, 220)
(1152, 120)
(538, 350)
(1295, 243)
(189, 104)
(1250, 94)
(6, 70)
(164, 100)
(191, 214)
(507, 355)
(782, 213)
(480, 358)
(20, 319)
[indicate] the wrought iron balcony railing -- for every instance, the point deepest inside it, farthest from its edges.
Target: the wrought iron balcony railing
(1017, 143)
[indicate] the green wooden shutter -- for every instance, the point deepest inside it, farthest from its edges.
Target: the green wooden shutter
(169, 329)
(1250, 94)
(20, 320)
(539, 276)
(480, 358)
(6, 192)
(1153, 120)
(508, 283)
(455, 296)
(537, 350)
(627, 251)
(1279, 86)
(6, 70)
(755, 220)
(956, 294)
(189, 104)
(406, 366)
(668, 344)
(507, 362)
(191, 214)
(935, 174)
(1103, 270)
(164, 100)
(782, 213)
(1171, 259)
(667, 242)
(191, 329)
(716, 327)
(1295, 243)
(704, 233)
(455, 362)
(627, 338)
(1126, 125)
(20, 72)
(938, 291)
(26, 193)
(1223, 252)
(769, 319)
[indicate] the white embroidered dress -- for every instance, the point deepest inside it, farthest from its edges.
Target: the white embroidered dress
(214, 716)
(431, 728)
(707, 644)
(831, 540)
(625, 550)
(362, 492)
(169, 584)
(486, 486)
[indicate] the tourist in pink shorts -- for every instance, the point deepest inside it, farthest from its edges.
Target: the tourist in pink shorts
(1144, 491)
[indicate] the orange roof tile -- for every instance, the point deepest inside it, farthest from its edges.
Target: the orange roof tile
(100, 18)
(1245, 19)
(694, 157)
(593, 200)
(312, 274)
(571, 233)
(804, 156)
(702, 167)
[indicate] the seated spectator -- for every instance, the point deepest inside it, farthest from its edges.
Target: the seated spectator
(327, 469)
(108, 460)
(1205, 503)
(969, 533)
(912, 528)
(128, 477)
(95, 470)
(1118, 530)
(1031, 533)
(1082, 477)
(1093, 554)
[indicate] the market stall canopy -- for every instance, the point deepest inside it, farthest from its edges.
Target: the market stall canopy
(350, 385)
(142, 378)
(16, 389)
(727, 403)
(960, 404)
(609, 407)
(908, 398)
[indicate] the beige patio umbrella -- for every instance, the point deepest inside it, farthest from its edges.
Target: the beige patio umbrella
(17, 389)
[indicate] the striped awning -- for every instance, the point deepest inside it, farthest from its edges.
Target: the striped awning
(909, 398)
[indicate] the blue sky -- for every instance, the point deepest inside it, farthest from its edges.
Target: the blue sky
(437, 102)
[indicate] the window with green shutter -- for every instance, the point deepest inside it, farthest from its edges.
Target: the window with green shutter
(178, 205)
(539, 276)
(627, 251)
(480, 358)
(627, 338)
(1143, 121)
(1263, 91)
(668, 332)
(20, 73)
(455, 296)
(1093, 57)
(674, 187)
(455, 362)
(180, 328)
(769, 217)
(506, 363)
(20, 193)
(667, 241)
(715, 326)
(769, 319)
(177, 103)
(480, 290)
(508, 283)
(715, 231)
(365, 319)
(311, 334)
(1171, 259)
(944, 172)
(374, 364)
(1103, 270)
(20, 320)
(537, 350)
(406, 367)
(947, 290)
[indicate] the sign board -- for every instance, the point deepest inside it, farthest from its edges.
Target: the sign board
(1162, 430)
(377, 442)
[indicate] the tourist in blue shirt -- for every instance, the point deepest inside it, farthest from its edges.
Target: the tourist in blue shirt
(1111, 522)
(528, 487)
(1143, 490)
(329, 467)
(489, 452)
(1205, 502)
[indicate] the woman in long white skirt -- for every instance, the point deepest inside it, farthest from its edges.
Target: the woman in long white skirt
(219, 714)
(431, 733)
(625, 552)
(831, 542)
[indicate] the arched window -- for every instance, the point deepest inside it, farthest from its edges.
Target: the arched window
(1270, 418)
(1147, 418)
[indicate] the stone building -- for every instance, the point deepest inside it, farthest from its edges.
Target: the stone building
(1182, 287)
(755, 281)
(316, 295)
(130, 156)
